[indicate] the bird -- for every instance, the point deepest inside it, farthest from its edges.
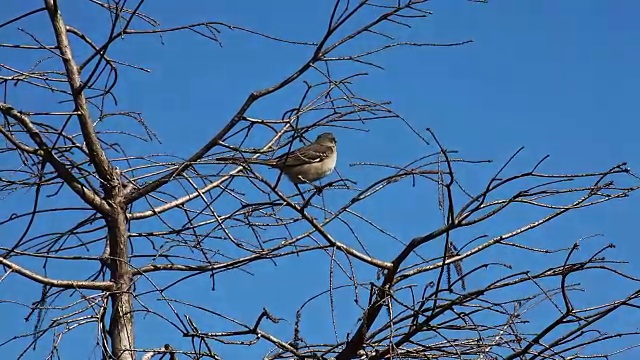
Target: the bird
(304, 165)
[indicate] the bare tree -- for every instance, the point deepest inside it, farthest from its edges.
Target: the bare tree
(101, 237)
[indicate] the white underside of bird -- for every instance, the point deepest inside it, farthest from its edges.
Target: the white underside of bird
(312, 172)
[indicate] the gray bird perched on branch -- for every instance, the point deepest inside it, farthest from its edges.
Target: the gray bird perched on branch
(303, 165)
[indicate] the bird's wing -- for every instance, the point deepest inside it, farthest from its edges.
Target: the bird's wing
(312, 153)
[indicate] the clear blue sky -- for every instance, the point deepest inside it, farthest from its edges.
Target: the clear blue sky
(558, 77)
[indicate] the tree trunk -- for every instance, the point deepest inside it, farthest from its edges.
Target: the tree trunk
(121, 321)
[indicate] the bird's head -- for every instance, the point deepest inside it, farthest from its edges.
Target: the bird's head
(326, 139)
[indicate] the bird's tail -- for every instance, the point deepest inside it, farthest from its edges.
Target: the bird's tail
(241, 160)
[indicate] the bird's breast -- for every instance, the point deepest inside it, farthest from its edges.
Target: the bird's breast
(312, 172)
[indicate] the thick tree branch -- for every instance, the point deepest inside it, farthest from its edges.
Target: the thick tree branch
(97, 155)
(65, 284)
(88, 196)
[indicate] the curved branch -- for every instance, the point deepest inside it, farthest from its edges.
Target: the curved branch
(87, 195)
(64, 284)
(97, 155)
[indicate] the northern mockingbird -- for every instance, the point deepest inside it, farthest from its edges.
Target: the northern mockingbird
(303, 165)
